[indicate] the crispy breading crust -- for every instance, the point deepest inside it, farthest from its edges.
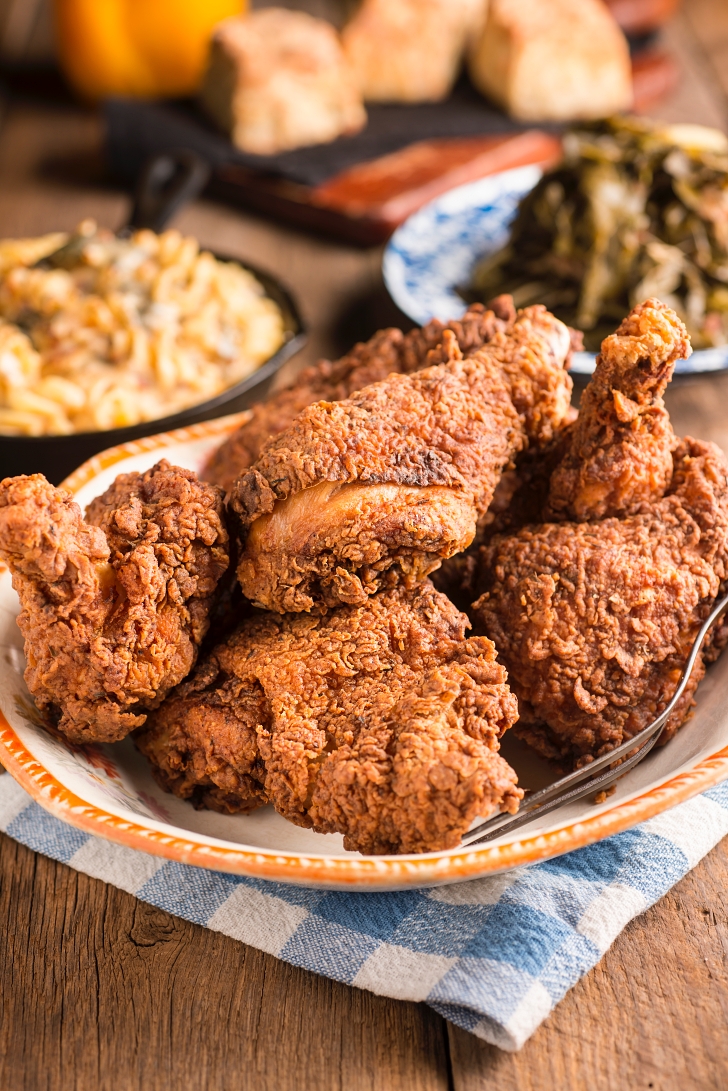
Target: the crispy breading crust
(114, 609)
(388, 352)
(621, 446)
(380, 722)
(594, 621)
(451, 429)
(517, 501)
(595, 618)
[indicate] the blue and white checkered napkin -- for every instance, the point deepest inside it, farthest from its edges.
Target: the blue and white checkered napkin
(492, 955)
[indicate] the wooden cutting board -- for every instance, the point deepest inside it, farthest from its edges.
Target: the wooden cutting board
(366, 203)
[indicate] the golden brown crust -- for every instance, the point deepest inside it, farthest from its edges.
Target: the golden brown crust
(594, 621)
(448, 431)
(334, 544)
(416, 458)
(114, 609)
(595, 618)
(621, 446)
(380, 722)
(388, 352)
(517, 501)
(444, 426)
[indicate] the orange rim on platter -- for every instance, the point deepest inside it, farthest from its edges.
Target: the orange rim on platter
(306, 868)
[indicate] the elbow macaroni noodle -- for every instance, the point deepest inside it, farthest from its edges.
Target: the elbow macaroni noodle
(129, 330)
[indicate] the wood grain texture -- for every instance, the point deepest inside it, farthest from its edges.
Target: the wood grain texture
(652, 1015)
(103, 993)
(708, 20)
(699, 96)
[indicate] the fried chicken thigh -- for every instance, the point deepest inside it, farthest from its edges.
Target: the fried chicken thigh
(379, 721)
(359, 494)
(594, 619)
(113, 609)
(387, 352)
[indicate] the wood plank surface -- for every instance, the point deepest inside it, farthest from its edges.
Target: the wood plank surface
(101, 992)
(652, 1015)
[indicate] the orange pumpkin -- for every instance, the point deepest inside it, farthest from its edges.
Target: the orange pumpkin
(146, 48)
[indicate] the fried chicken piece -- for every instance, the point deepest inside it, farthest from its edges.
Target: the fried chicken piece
(594, 621)
(382, 486)
(621, 448)
(517, 501)
(617, 456)
(113, 609)
(387, 352)
(380, 722)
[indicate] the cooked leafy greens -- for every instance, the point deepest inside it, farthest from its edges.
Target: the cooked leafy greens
(635, 209)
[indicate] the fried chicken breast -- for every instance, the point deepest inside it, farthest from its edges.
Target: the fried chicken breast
(381, 487)
(594, 619)
(388, 352)
(378, 721)
(113, 609)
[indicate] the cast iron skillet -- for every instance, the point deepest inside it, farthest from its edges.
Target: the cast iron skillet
(166, 183)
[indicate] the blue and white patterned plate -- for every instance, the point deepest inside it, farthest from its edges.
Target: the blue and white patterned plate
(438, 247)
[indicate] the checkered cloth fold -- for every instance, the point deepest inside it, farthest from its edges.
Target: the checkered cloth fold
(492, 955)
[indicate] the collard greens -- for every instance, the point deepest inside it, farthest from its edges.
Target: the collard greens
(634, 210)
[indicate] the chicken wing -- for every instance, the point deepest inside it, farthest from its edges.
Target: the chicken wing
(380, 722)
(380, 487)
(113, 609)
(616, 456)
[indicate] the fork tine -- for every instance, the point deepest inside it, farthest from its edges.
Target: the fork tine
(604, 780)
(583, 781)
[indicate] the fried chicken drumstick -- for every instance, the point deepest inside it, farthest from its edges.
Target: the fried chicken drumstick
(620, 451)
(380, 722)
(113, 609)
(594, 620)
(380, 487)
(388, 352)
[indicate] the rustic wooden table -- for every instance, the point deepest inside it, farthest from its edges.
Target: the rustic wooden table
(102, 992)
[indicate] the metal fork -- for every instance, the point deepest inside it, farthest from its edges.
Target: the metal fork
(583, 781)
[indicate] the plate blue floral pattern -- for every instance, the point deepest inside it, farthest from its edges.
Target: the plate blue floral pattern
(438, 247)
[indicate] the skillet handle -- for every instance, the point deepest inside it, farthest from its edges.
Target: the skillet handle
(166, 183)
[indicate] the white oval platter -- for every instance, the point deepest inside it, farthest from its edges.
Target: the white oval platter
(109, 791)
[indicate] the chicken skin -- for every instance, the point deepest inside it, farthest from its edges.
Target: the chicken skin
(620, 454)
(113, 609)
(379, 721)
(594, 619)
(614, 457)
(388, 352)
(517, 501)
(379, 488)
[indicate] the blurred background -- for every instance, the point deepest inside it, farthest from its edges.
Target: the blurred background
(90, 88)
